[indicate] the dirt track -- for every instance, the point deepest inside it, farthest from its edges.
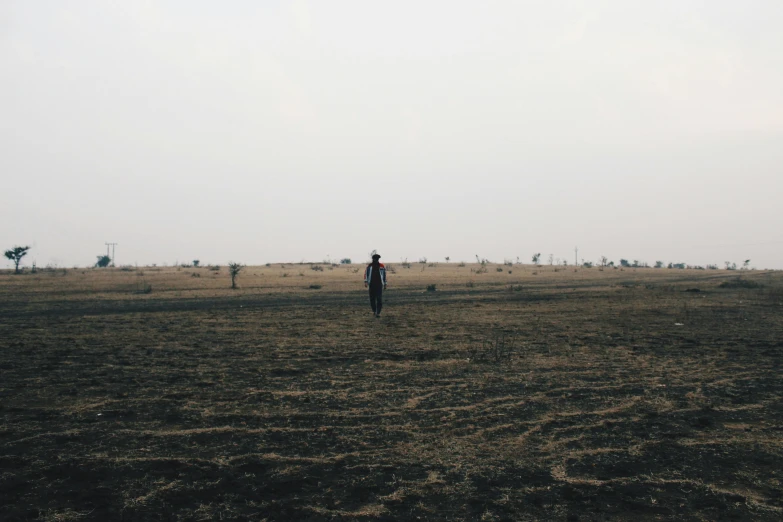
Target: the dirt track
(613, 396)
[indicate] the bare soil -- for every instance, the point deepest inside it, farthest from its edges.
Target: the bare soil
(516, 394)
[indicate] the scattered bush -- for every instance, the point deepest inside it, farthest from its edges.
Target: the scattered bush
(103, 261)
(194, 274)
(315, 287)
(233, 270)
(499, 269)
(16, 254)
(461, 264)
(431, 288)
(423, 260)
(317, 268)
(345, 261)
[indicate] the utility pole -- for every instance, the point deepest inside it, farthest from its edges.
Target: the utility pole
(112, 245)
(576, 256)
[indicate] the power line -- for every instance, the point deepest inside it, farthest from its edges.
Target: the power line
(112, 245)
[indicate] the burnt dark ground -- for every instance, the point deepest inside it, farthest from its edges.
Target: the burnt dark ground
(301, 406)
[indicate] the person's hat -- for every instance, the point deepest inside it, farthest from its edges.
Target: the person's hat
(376, 256)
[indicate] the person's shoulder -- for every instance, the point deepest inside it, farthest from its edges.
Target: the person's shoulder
(381, 265)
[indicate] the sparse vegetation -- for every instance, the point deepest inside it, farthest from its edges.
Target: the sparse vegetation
(16, 254)
(740, 282)
(196, 263)
(103, 261)
(432, 288)
(536, 258)
(345, 261)
(234, 269)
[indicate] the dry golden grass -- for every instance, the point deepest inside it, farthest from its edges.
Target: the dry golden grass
(623, 396)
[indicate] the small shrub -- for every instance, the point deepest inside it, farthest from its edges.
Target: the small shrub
(315, 287)
(233, 270)
(345, 261)
(510, 270)
(317, 268)
(423, 260)
(461, 264)
(470, 284)
(432, 288)
(215, 268)
(284, 274)
(499, 269)
(194, 274)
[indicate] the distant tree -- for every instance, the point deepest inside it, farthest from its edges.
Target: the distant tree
(604, 261)
(659, 264)
(730, 265)
(625, 263)
(565, 262)
(234, 269)
(635, 263)
(587, 264)
(536, 257)
(447, 259)
(196, 262)
(16, 254)
(103, 261)
(345, 261)
(746, 264)
(551, 259)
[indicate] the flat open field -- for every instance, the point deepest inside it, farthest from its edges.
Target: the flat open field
(530, 395)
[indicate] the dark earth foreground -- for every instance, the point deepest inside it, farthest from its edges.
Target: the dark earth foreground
(593, 395)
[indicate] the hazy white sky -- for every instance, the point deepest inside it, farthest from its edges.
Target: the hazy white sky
(281, 131)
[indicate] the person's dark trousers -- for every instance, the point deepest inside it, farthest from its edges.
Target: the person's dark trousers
(376, 299)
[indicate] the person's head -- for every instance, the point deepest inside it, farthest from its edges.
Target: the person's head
(375, 258)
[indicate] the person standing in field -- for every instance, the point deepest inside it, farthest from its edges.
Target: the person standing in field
(375, 279)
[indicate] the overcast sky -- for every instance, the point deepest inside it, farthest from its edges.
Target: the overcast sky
(281, 131)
